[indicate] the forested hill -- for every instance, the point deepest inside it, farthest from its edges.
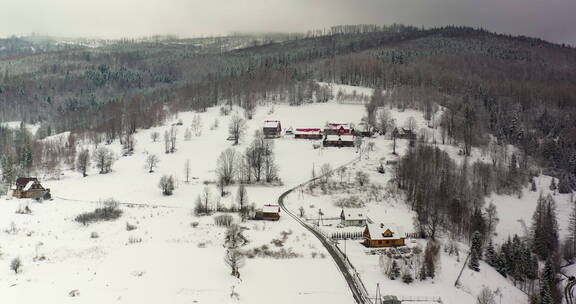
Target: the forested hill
(521, 90)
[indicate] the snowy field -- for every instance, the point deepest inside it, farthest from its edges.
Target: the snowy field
(168, 260)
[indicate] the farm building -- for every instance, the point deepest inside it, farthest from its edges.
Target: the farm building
(380, 235)
(311, 133)
(268, 212)
(351, 218)
(404, 133)
(30, 187)
(272, 128)
(338, 129)
(344, 140)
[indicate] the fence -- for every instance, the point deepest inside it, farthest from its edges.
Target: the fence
(346, 235)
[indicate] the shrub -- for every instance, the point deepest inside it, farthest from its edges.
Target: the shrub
(130, 227)
(109, 212)
(16, 265)
(194, 224)
(134, 240)
(223, 220)
(94, 235)
(352, 201)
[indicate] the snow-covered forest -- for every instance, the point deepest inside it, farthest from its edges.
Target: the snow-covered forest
(159, 168)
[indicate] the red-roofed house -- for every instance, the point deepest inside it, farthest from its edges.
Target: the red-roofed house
(309, 133)
(338, 129)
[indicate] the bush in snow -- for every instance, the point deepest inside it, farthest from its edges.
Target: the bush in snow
(352, 201)
(235, 260)
(16, 265)
(223, 220)
(166, 184)
(109, 212)
(94, 235)
(130, 227)
(362, 178)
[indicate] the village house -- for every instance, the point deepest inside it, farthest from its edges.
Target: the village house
(272, 128)
(344, 140)
(268, 212)
(351, 218)
(404, 133)
(310, 133)
(30, 187)
(338, 129)
(381, 235)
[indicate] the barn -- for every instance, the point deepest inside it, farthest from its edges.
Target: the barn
(344, 140)
(268, 212)
(272, 128)
(381, 235)
(338, 129)
(309, 133)
(30, 187)
(351, 218)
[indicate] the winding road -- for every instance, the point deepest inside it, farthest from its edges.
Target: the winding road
(353, 280)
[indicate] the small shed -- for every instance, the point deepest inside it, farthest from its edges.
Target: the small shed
(272, 128)
(268, 212)
(382, 235)
(344, 140)
(352, 218)
(30, 187)
(390, 300)
(308, 133)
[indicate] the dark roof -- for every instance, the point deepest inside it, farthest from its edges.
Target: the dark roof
(22, 181)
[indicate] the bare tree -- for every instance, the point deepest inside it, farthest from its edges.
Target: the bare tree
(362, 178)
(104, 159)
(486, 296)
(83, 162)
(173, 133)
(411, 124)
(197, 125)
(166, 184)
(166, 142)
(152, 162)
(237, 128)
(242, 198)
(187, 169)
(205, 198)
(326, 172)
(154, 136)
(235, 260)
(226, 166)
(187, 134)
(128, 143)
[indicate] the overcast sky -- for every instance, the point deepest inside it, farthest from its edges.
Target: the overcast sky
(553, 20)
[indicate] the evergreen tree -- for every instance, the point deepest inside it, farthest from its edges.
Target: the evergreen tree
(394, 271)
(490, 256)
(549, 292)
(475, 252)
(545, 228)
(563, 185)
(553, 184)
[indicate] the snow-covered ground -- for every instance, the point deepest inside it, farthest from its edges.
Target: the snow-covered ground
(177, 263)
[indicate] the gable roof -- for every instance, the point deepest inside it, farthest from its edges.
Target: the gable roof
(22, 182)
(271, 209)
(349, 215)
(308, 131)
(377, 231)
(271, 124)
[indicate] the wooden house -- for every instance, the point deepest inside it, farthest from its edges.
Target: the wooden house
(344, 140)
(380, 235)
(309, 133)
(338, 129)
(272, 128)
(404, 133)
(30, 187)
(351, 218)
(268, 212)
